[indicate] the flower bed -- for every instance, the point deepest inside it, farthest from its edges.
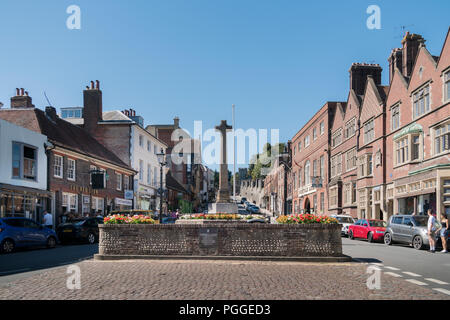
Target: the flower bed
(123, 219)
(220, 216)
(306, 219)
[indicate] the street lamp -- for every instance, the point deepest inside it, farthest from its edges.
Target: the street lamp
(162, 162)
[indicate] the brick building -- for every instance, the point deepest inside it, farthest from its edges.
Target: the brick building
(310, 164)
(71, 155)
(277, 191)
(123, 132)
(371, 186)
(418, 128)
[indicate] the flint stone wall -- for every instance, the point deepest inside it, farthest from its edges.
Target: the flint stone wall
(222, 239)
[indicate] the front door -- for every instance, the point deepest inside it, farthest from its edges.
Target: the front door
(307, 206)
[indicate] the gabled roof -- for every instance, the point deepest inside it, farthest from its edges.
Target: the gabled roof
(173, 184)
(61, 133)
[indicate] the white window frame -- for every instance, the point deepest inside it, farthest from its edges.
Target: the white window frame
(421, 92)
(350, 124)
(395, 110)
(371, 124)
(58, 164)
(119, 181)
(446, 86)
(71, 171)
(442, 134)
(322, 128)
(337, 133)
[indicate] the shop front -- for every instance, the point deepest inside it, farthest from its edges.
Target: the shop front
(16, 201)
(417, 193)
(145, 198)
(123, 204)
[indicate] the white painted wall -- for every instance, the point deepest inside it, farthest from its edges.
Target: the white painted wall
(148, 157)
(10, 132)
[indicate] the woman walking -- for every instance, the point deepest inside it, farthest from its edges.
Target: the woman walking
(444, 232)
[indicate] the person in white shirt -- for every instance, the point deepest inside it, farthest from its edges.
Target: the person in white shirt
(48, 220)
(432, 231)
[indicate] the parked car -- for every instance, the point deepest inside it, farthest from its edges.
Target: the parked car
(79, 230)
(407, 229)
(253, 209)
(23, 232)
(346, 222)
(243, 200)
(372, 230)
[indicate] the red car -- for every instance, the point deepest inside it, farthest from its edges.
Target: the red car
(372, 230)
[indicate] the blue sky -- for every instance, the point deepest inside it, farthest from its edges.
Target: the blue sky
(278, 61)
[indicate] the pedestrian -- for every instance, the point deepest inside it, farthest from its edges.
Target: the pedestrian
(432, 228)
(48, 219)
(444, 232)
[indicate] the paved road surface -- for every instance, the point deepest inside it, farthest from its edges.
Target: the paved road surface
(428, 269)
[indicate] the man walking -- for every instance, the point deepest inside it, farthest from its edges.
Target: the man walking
(48, 220)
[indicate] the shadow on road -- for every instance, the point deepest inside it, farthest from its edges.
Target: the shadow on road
(366, 260)
(38, 259)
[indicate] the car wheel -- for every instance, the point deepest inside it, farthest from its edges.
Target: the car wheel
(370, 237)
(91, 238)
(51, 242)
(388, 239)
(7, 246)
(350, 235)
(418, 243)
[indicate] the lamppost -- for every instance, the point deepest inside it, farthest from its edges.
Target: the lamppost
(162, 162)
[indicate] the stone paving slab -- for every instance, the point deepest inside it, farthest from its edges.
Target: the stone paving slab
(206, 280)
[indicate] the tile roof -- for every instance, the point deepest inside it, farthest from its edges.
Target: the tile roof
(61, 133)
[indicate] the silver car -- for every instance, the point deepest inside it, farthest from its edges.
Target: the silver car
(407, 229)
(346, 222)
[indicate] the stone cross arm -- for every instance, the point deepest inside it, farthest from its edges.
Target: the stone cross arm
(223, 127)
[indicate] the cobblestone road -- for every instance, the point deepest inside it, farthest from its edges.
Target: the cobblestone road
(172, 279)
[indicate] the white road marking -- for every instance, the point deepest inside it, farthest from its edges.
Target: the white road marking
(392, 268)
(436, 281)
(412, 274)
(393, 274)
(420, 283)
(442, 290)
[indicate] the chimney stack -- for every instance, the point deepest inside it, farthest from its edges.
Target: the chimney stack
(21, 100)
(93, 107)
(411, 44)
(395, 61)
(176, 122)
(51, 113)
(358, 76)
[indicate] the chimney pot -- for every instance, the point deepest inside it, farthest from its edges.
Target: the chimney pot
(22, 91)
(97, 84)
(17, 92)
(92, 85)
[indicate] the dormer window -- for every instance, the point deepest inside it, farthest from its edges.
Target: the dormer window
(71, 113)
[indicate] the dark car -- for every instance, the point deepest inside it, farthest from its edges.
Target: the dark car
(23, 232)
(79, 230)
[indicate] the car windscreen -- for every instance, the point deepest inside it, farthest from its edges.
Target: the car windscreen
(376, 223)
(78, 222)
(345, 220)
(421, 221)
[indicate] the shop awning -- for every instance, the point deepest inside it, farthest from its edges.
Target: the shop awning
(25, 190)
